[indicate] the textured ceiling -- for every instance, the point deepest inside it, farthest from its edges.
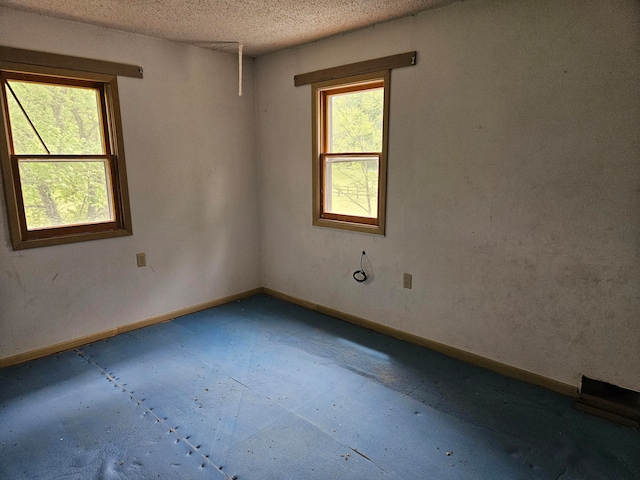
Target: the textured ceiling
(263, 26)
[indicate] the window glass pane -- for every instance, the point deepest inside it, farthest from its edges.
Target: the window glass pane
(67, 118)
(355, 121)
(65, 193)
(351, 186)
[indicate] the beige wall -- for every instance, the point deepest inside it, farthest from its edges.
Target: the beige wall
(514, 172)
(190, 147)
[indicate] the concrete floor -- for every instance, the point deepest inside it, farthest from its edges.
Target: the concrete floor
(262, 389)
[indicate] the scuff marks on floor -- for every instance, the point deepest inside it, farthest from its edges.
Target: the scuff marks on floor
(261, 389)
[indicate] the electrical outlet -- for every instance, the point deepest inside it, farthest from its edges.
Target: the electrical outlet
(141, 259)
(406, 280)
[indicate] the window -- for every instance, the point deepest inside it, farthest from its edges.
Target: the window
(350, 114)
(350, 132)
(62, 156)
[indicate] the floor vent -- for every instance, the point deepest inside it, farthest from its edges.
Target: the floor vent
(609, 401)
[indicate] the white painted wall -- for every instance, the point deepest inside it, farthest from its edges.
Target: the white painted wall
(190, 152)
(514, 184)
(512, 199)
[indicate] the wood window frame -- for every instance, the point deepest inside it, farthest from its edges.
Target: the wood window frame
(107, 85)
(342, 76)
(320, 91)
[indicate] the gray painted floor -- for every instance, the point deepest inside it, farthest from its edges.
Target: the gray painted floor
(261, 389)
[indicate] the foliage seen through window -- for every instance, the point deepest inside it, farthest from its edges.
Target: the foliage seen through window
(50, 119)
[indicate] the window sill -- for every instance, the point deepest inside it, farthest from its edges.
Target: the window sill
(79, 237)
(354, 227)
